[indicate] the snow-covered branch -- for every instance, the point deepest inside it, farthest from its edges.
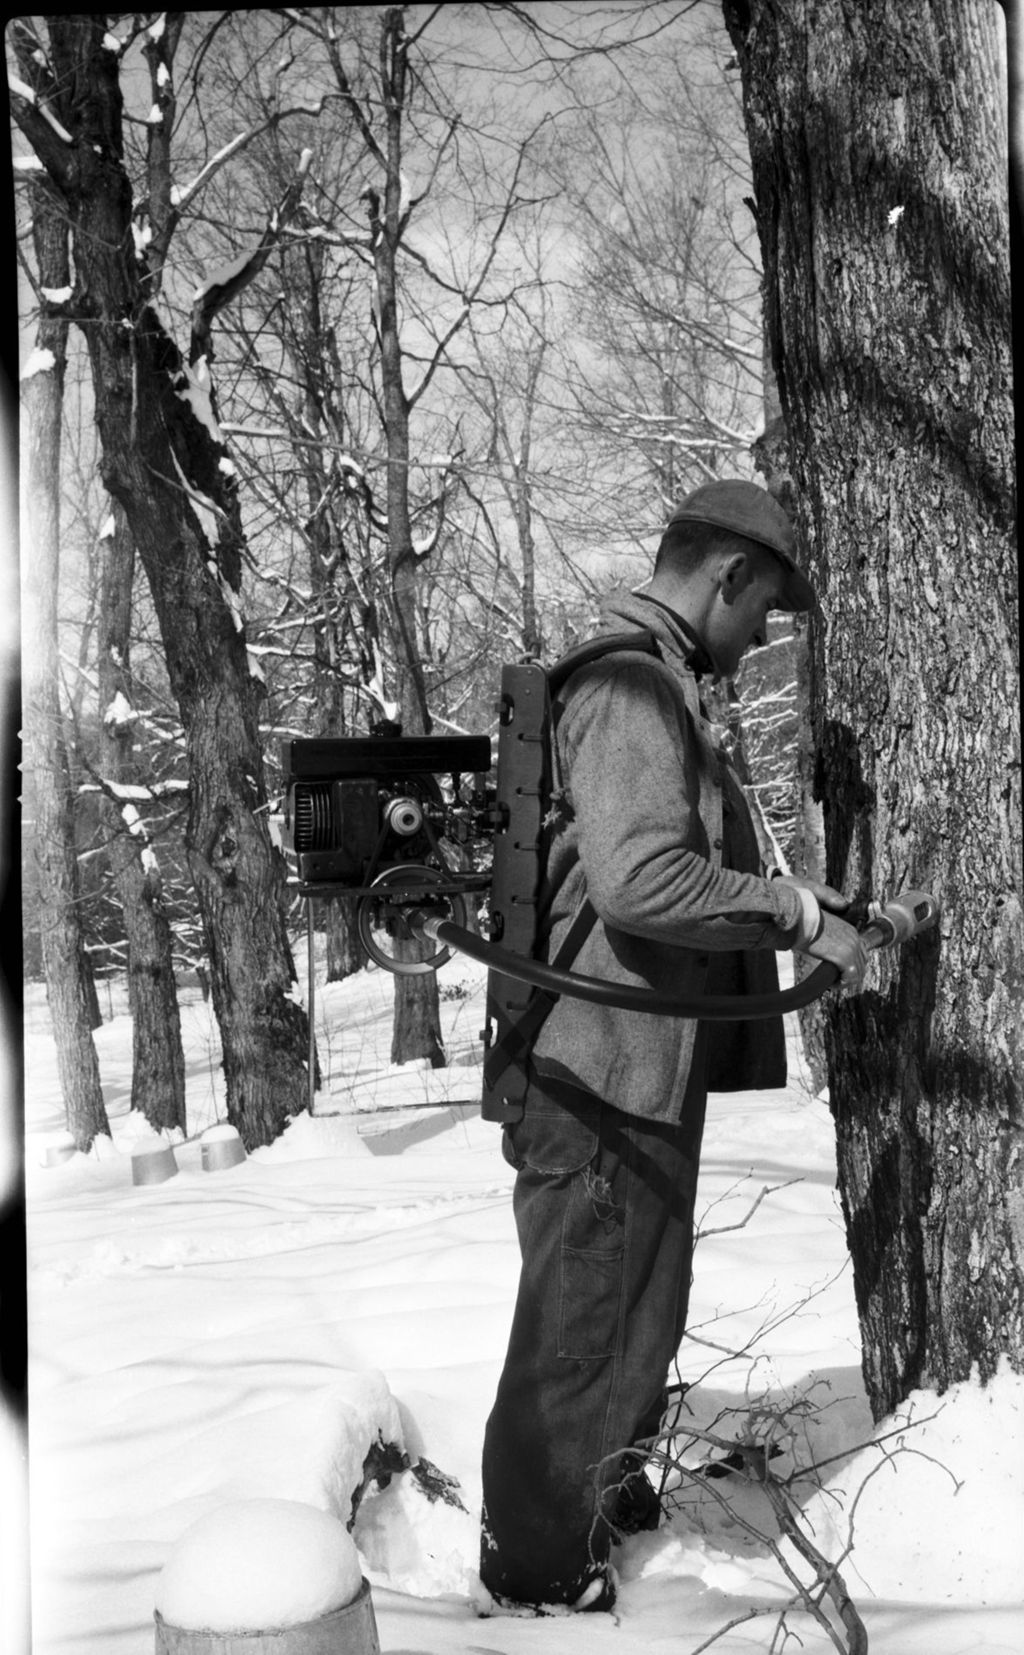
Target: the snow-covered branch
(51, 142)
(135, 793)
(182, 195)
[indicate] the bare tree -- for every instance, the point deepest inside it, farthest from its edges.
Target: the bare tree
(879, 150)
(671, 384)
(417, 306)
(158, 1063)
(161, 458)
(52, 829)
(653, 173)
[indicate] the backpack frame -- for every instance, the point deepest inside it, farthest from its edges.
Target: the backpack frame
(525, 798)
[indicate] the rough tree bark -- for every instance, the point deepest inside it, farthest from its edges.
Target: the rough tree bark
(158, 1062)
(522, 502)
(45, 749)
(771, 456)
(878, 141)
(161, 462)
(336, 601)
(417, 1025)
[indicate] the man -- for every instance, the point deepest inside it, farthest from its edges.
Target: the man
(656, 835)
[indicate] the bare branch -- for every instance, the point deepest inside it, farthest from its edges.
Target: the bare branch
(215, 294)
(769, 1189)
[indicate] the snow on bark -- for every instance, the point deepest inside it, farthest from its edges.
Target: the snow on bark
(390, 709)
(196, 391)
(207, 510)
(222, 275)
(20, 90)
(40, 361)
(120, 714)
(137, 828)
(129, 791)
(50, 117)
(230, 597)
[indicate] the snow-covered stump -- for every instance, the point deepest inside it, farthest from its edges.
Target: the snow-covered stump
(265, 1577)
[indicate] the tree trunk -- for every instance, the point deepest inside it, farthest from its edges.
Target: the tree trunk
(417, 1026)
(53, 829)
(335, 594)
(533, 642)
(878, 144)
(90, 993)
(809, 854)
(345, 953)
(158, 1063)
(771, 456)
(160, 460)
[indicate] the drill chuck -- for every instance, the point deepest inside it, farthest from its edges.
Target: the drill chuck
(900, 919)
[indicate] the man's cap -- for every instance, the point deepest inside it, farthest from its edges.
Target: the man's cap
(749, 510)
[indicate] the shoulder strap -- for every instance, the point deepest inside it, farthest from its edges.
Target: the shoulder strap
(516, 1024)
(642, 641)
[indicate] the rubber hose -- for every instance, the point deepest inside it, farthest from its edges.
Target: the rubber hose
(714, 1008)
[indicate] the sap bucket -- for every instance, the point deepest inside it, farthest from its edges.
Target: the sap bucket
(351, 1630)
(221, 1147)
(58, 1149)
(153, 1161)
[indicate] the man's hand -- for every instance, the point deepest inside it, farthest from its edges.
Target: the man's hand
(829, 937)
(825, 895)
(844, 947)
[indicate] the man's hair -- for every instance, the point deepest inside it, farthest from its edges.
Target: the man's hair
(693, 544)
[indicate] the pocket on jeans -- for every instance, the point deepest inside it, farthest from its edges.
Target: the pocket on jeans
(553, 1142)
(591, 1271)
(591, 1288)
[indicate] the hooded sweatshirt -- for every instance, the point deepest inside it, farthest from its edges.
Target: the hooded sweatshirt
(652, 826)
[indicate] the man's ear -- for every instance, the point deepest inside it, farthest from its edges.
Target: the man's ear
(733, 575)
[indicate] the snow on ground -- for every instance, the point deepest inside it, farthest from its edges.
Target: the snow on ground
(242, 1334)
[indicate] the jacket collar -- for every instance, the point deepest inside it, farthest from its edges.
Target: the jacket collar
(675, 635)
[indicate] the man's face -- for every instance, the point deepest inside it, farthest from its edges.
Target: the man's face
(750, 585)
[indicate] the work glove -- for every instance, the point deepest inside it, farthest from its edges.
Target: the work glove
(823, 935)
(843, 946)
